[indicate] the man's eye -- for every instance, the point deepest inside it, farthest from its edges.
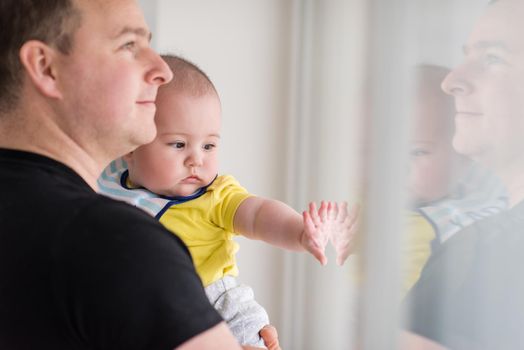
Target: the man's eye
(178, 145)
(209, 146)
(493, 59)
(130, 45)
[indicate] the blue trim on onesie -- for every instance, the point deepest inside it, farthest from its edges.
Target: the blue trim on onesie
(173, 200)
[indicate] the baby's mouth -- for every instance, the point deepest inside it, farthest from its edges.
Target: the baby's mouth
(191, 179)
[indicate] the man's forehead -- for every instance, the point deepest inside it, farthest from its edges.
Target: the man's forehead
(104, 4)
(119, 16)
(500, 27)
(139, 31)
(482, 45)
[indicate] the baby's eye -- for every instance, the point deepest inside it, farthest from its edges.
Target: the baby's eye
(178, 145)
(209, 146)
(419, 152)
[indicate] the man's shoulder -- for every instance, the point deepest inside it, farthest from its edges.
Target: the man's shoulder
(131, 265)
(108, 217)
(108, 209)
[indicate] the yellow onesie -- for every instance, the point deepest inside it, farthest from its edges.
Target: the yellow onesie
(415, 248)
(205, 224)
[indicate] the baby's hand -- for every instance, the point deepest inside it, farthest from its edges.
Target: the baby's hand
(343, 228)
(316, 233)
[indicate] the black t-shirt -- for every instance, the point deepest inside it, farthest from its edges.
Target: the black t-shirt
(82, 271)
(471, 293)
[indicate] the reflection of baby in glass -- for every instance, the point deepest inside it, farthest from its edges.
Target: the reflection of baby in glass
(434, 166)
(175, 179)
(446, 190)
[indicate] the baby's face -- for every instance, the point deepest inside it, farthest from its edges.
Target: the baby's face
(433, 163)
(184, 155)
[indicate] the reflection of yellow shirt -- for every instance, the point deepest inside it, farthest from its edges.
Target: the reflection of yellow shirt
(205, 224)
(415, 248)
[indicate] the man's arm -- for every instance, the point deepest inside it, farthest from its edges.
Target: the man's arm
(219, 337)
(412, 341)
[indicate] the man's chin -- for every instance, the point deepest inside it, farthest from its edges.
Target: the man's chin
(147, 135)
(465, 146)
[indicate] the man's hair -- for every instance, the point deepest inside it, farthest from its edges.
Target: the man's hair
(50, 21)
(188, 77)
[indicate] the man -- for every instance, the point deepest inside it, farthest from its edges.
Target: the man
(471, 292)
(78, 83)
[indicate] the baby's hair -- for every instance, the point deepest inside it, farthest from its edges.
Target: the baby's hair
(188, 77)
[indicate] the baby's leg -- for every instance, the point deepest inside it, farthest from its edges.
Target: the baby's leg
(237, 306)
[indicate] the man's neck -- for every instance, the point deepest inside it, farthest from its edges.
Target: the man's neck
(516, 193)
(513, 178)
(41, 136)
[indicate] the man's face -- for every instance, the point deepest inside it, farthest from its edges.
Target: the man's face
(184, 155)
(489, 88)
(110, 79)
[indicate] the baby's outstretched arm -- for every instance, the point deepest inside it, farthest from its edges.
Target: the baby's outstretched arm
(278, 224)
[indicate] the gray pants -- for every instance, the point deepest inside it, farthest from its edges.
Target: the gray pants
(237, 306)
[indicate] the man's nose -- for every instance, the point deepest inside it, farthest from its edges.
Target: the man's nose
(160, 73)
(456, 83)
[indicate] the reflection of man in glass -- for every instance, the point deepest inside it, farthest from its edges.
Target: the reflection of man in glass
(471, 293)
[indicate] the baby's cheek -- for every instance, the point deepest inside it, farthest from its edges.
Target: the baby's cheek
(438, 181)
(427, 182)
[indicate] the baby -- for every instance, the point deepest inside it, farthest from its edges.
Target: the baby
(174, 178)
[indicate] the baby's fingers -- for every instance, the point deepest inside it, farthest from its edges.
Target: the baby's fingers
(323, 210)
(309, 225)
(343, 254)
(310, 241)
(318, 253)
(344, 245)
(354, 213)
(332, 211)
(342, 211)
(313, 213)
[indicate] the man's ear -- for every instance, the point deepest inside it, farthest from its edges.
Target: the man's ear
(38, 59)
